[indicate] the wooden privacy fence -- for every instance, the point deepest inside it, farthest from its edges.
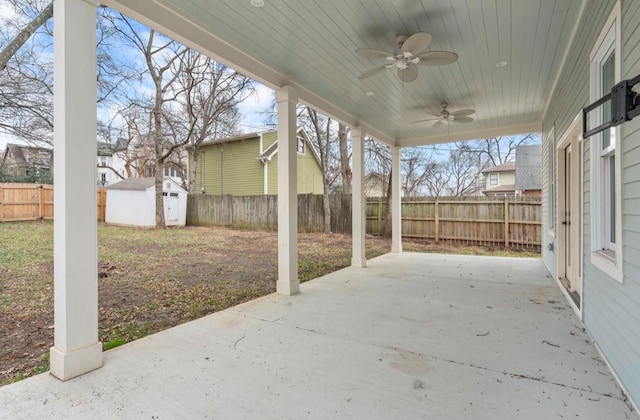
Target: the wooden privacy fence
(23, 202)
(261, 212)
(508, 222)
(469, 220)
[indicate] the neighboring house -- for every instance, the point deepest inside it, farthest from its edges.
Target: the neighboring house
(18, 160)
(132, 202)
(500, 181)
(132, 159)
(375, 185)
(248, 165)
(529, 171)
(111, 164)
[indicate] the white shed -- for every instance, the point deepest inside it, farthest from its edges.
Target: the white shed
(132, 202)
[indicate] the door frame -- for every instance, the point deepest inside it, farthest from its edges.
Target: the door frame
(571, 137)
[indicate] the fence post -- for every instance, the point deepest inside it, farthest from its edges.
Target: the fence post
(1, 202)
(41, 202)
(436, 220)
(379, 224)
(506, 222)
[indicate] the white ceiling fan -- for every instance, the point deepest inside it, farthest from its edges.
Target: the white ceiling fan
(409, 54)
(460, 116)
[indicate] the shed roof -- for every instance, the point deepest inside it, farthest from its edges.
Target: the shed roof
(133, 184)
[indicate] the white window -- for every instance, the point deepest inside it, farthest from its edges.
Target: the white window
(493, 179)
(301, 145)
(605, 148)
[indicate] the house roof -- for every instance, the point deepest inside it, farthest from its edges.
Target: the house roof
(245, 136)
(501, 189)
(505, 167)
(18, 152)
(269, 151)
(310, 46)
(272, 149)
(133, 184)
(529, 167)
(106, 149)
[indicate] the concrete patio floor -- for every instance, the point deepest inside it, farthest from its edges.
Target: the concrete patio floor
(411, 336)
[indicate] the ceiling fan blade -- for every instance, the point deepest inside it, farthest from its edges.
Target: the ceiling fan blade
(370, 52)
(416, 43)
(438, 124)
(372, 72)
(462, 119)
(463, 112)
(437, 58)
(422, 121)
(409, 74)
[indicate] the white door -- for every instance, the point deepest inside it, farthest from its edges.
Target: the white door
(569, 215)
(171, 207)
(566, 223)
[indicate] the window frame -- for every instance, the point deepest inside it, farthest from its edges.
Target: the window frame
(300, 145)
(497, 178)
(605, 180)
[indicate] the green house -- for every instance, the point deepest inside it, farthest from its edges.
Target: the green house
(248, 165)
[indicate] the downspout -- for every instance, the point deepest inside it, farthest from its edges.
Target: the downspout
(222, 171)
(266, 176)
(203, 188)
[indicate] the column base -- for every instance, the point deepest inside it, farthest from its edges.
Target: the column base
(65, 366)
(358, 262)
(287, 288)
(396, 249)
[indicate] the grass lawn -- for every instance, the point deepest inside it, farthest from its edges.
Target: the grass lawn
(150, 280)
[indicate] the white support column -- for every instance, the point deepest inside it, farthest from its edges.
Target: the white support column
(76, 347)
(288, 283)
(396, 200)
(358, 215)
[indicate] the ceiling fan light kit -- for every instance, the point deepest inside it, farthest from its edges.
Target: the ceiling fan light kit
(409, 54)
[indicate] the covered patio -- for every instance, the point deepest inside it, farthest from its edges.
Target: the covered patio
(410, 336)
(401, 336)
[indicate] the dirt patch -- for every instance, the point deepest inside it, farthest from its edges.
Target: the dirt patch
(151, 280)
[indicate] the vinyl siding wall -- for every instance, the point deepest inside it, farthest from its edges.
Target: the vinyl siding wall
(611, 309)
(309, 174)
(243, 173)
(504, 178)
(231, 168)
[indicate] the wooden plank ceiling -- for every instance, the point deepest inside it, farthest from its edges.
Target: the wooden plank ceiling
(310, 44)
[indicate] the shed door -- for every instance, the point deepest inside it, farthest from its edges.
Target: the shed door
(171, 206)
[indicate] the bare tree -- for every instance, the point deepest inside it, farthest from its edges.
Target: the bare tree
(497, 150)
(163, 59)
(25, 33)
(26, 69)
(436, 180)
(211, 94)
(345, 168)
(417, 167)
(461, 169)
(322, 133)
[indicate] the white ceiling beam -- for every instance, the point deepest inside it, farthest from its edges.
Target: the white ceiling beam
(472, 135)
